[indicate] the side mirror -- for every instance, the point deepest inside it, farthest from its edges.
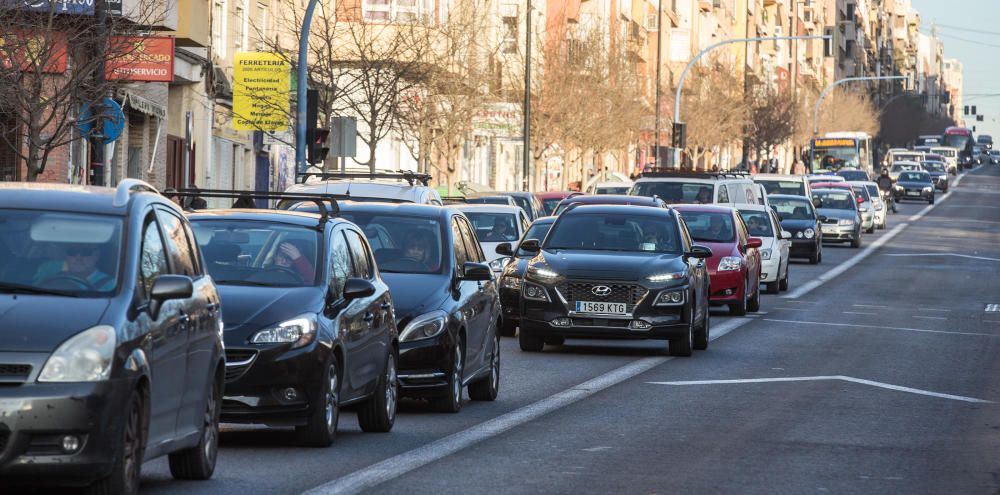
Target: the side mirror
(817, 203)
(700, 252)
(861, 200)
(754, 242)
(357, 288)
(477, 272)
(505, 249)
(821, 218)
(167, 287)
(786, 234)
(531, 245)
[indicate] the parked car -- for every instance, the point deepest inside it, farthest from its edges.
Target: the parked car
(938, 173)
(915, 185)
(111, 351)
(495, 225)
(309, 327)
(696, 188)
(735, 264)
(608, 199)
(610, 188)
(445, 300)
(762, 222)
(784, 184)
(837, 211)
(613, 271)
(393, 187)
(551, 199)
(798, 217)
(513, 274)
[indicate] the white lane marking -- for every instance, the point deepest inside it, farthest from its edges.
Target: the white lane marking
(846, 265)
(935, 309)
(930, 317)
(878, 327)
(597, 449)
(993, 308)
(851, 379)
(957, 255)
(953, 205)
(870, 306)
(991, 321)
(859, 313)
(785, 308)
(405, 462)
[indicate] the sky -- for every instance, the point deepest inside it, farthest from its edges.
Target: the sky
(957, 24)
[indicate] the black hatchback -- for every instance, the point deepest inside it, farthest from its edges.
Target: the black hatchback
(309, 326)
(111, 352)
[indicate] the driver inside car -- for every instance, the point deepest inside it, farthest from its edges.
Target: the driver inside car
(418, 247)
(80, 263)
(290, 257)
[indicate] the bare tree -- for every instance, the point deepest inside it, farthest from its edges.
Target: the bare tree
(48, 71)
(844, 110)
(713, 108)
(771, 118)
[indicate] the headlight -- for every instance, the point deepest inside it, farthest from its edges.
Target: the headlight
(670, 298)
(765, 254)
(299, 331)
(498, 264)
(730, 263)
(863, 209)
(798, 235)
(541, 273)
(845, 221)
(878, 207)
(665, 277)
(809, 233)
(510, 282)
(927, 189)
(85, 357)
(535, 292)
(424, 326)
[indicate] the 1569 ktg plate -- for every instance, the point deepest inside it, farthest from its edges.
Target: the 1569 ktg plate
(603, 308)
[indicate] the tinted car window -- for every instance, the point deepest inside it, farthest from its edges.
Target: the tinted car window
(537, 231)
(914, 176)
(783, 187)
(493, 227)
(458, 243)
(472, 248)
(614, 232)
(181, 253)
(153, 261)
(873, 191)
(723, 194)
(792, 209)
(359, 255)
(67, 252)
(933, 167)
(900, 167)
(676, 192)
(835, 200)
(340, 263)
(758, 223)
(258, 252)
(401, 243)
(709, 226)
(853, 174)
(550, 205)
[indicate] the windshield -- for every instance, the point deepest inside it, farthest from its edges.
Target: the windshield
(778, 186)
(493, 227)
(612, 190)
(537, 231)
(489, 200)
(709, 226)
(253, 252)
(614, 232)
(831, 159)
(758, 223)
(907, 157)
(69, 254)
(676, 192)
(948, 152)
(901, 167)
(959, 141)
(835, 200)
(550, 204)
(402, 244)
(914, 177)
(933, 167)
(873, 191)
(853, 174)
(524, 203)
(792, 209)
(861, 192)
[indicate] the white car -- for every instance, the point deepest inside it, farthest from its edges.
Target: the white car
(390, 187)
(764, 223)
(675, 187)
(610, 188)
(879, 206)
(495, 225)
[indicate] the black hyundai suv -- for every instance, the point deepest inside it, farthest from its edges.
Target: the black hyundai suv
(616, 272)
(309, 326)
(111, 351)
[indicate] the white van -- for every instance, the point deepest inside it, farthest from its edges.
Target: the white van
(387, 187)
(694, 188)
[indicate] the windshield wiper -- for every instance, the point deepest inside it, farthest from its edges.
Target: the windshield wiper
(28, 289)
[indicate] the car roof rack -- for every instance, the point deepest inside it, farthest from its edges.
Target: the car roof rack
(326, 203)
(453, 200)
(127, 187)
(408, 176)
(694, 174)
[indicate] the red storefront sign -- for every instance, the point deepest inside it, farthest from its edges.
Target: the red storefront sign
(149, 59)
(33, 52)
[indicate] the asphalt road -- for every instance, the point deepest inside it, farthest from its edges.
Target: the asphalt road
(875, 373)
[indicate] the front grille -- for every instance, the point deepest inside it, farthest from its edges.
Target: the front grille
(629, 294)
(831, 220)
(238, 361)
(14, 372)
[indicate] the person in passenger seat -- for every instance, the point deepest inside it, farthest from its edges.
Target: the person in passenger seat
(291, 257)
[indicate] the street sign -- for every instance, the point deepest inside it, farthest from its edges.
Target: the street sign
(260, 92)
(344, 136)
(111, 121)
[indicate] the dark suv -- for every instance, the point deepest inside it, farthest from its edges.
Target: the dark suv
(111, 352)
(309, 325)
(616, 272)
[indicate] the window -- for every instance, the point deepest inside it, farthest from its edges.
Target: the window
(154, 260)
(181, 253)
(402, 244)
(403, 11)
(472, 247)
(510, 34)
(359, 254)
(263, 26)
(240, 33)
(758, 223)
(376, 10)
(340, 264)
(709, 227)
(494, 227)
(219, 28)
(723, 194)
(261, 253)
(614, 232)
(459, 245)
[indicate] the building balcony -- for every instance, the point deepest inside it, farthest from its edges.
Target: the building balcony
(193, 28)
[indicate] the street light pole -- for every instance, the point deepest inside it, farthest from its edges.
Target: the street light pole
(838, 82)
(301, 87)
(659, 64)
(680, 82)
(526, 157)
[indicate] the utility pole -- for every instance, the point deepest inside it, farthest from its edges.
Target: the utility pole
(526, 157)
(302, 85)
(659, 64)
(97, 107)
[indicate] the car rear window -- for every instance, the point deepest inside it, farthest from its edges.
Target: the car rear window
(709, 226)
(792, 209)
(261, 253)
(835, 200)
(493, 227)
(402, 243)
(676, 192)
(778, 186)
(758, 223)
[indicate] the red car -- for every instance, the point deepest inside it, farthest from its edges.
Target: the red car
(551, 199)
(734, 268)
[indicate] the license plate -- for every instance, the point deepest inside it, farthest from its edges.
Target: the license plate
(912, 193)
(604, 308)
(829, 228)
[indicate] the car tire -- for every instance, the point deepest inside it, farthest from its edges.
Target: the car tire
(378, 413)
(530, 342)
(772, 287)
(508, 328)
(325, 414)
(740, 308)
(451, 402)
(703, 331)
(856, 242)
(127, 464)
(488, 387)
(871, 230)
(753, 305)
(783, 283)
(930, 201)
(555, 340)
(683, 346)
(198, 462)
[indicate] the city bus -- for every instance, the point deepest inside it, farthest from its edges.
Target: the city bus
(960, 138)
(837, 150)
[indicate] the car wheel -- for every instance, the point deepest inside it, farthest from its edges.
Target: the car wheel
(451, 402)
(198, 462)
(783, 285)
(856, 242)
(871, 230)
(683, 346)
(529, 342)
(378, 413)
(930, 201)
(772, 287)
(487, 388)
(508, 328)
(127, 464)
(702, 333)
(754, 304)
(325, 413)
(814, 258)
(555, 340)
(740, 308)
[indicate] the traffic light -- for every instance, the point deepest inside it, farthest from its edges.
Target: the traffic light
(313, 141)
(974, 112)
(319, 146)
(679, 136)
(980, 118)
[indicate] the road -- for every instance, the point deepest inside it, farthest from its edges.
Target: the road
(875, 373)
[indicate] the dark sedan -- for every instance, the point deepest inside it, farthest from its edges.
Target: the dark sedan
(837, 211)
(513, 274)
(616, 272)
(798, 216)
(608, 199)
(915, 185)
(938, 172)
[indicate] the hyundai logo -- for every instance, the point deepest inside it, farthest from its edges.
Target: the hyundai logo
(601, 290)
